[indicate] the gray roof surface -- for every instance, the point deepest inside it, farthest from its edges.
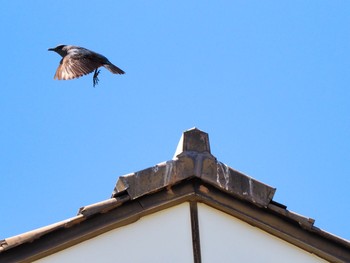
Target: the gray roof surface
(192, 161)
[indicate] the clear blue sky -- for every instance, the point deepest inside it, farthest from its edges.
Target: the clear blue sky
(268, 80)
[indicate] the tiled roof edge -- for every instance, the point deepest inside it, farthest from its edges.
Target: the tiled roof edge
(83, 214)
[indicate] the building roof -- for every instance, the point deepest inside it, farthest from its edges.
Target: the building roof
(194, 175)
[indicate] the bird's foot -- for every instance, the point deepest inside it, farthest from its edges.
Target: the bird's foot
(95, 78)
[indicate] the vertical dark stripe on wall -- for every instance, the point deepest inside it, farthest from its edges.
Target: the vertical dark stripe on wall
(195, 233)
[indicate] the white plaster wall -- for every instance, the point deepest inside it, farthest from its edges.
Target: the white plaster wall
(226, 239)
(161, 237)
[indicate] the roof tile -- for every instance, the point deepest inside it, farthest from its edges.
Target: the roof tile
(194, 159)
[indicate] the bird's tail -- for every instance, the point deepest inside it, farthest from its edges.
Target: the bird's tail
(113, 69)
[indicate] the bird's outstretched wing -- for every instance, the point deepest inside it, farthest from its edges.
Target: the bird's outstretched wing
(75, 66)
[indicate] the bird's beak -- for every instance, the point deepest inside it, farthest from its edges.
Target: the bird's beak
(51, 49)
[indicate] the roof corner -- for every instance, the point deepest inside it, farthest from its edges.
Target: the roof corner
(193, 140)
(193, 158)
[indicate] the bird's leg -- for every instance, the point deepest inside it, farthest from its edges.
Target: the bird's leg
(95, 78)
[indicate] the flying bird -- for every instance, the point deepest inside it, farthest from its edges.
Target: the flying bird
(78, 61)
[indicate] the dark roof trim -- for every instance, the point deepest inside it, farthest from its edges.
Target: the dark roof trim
(289, 229)
(83, 214)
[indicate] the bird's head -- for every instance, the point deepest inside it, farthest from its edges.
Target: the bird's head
(60, 49)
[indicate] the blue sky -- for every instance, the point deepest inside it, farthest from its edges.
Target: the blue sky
(268, 80)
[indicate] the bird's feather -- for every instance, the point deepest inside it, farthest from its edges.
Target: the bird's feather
(114, 69)
(75, 67)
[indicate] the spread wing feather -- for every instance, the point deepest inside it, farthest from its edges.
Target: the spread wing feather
(74, 67)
